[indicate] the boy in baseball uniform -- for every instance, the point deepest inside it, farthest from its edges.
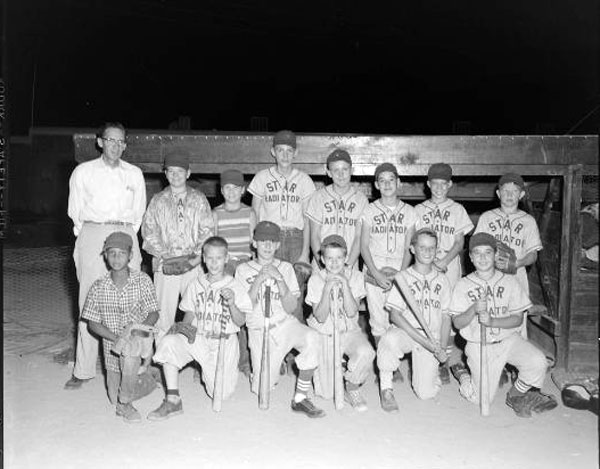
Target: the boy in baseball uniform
(118, 302)
(337, 208)
(451, 223)
(431, 290)
(355, 345)
(286, 332)
(177, 222)
(215, 305)
(497, 301)
(235, 222)
(387, 228)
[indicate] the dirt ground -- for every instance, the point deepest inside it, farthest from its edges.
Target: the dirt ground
(46, 426)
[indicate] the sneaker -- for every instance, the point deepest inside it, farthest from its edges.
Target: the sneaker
(444, 373)
(356, 400)
(128, 412)
(520, 404)
(541, 402)
(307, 408)
(75, 383)
(458, 371)
(167, 409)
(467, 390)
(388, 401)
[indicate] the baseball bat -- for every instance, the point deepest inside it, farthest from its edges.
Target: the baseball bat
(484, 381)
(264, 389)
(218, 392)
(404, 288)
(338, 380)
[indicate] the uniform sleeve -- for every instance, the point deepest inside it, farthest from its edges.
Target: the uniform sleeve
(357, 285)
(464, 224)
(242, 299)
(187, 303)
(314, 208)
(459, 301)
(206, 226)
(151, 231)
(139, 198)
(519, 301)
(481, 224)
(91, 307)
(314, 290)
(287, 271)
(446, 296)
(395, 300)
(419, 223)
(75, 203)
(308, 187)
(256, 186)
(367, 215)
(533, 241)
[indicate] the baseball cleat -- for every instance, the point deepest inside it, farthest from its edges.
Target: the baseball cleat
(520, 404)
(128, 412)
(307, 408)
(388, 401)
(541, 402)
(167, 409)
(75, 383)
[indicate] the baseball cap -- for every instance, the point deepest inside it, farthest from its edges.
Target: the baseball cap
(285, 137)
(181, 161)
(512, 177)
(232, 176)
(482, 239)
(385, 168)
(339, 155)
(266, 231)
(334, 240)
(440, 171)
(118, 239)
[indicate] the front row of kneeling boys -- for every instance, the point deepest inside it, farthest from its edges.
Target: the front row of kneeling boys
(217, 304)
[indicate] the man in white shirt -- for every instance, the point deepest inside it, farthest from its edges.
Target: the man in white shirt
(106, 195)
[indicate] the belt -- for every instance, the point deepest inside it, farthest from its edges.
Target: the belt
(214, 335)
(290, 231)
(110, 222)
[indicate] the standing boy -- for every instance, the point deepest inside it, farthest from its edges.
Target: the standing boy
(387, 228)
(286, 332)
(215, 305)
(450, 221)
(501, 301)
(337, 208)
(120, 308)
(105, 195)
(431, 290)
(176, 224)
(235, 222)
(354, 342)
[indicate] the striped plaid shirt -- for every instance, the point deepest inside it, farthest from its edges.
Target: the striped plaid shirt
(115, 308)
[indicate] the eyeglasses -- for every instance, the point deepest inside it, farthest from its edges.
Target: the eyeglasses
(114, 141)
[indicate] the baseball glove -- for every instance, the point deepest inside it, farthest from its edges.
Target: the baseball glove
(135, 341)
(506, 259)
(303, 272)
(389, 272)
(185, 329)
(177, 265)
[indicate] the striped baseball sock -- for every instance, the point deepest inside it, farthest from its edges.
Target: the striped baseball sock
(303, 384)
(519, 388)
(173, 395)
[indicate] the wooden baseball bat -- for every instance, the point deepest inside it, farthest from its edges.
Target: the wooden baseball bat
(412, 303)
(218, 392)
(335, 302)
(264, 389)
(484, 380)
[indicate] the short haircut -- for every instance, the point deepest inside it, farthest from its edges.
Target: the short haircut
(333, 245)
(111, 125)
(216, 242)
(423, 231)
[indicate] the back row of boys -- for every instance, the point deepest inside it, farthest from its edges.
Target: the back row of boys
(338, 224)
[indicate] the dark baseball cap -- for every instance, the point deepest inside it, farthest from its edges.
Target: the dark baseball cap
(180, 161)
(482, 239)
(232, 176)
(285, 137)
(512, 177)
(118, 239)
(385, 168)
(339, 155)
(266, 231)
(440, 171)
(335, 241)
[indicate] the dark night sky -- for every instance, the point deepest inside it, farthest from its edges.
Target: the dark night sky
(313, 66)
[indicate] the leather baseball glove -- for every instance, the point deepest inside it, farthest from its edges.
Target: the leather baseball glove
(303, 272)
(389, 272)
(177, 265)
(135, 341)
(506, 259)
(185, 329)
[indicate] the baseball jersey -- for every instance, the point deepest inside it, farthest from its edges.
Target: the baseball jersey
(314, 291)
(388, 228)
(433, 294)
(203, 298)
(246, 273)
(283, 198)
(234, 227)
(504, 295)
(517, 230)
(337, 214)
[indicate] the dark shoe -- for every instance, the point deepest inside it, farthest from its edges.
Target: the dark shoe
(167, 409)
(388, 401)
(520, 404)
(75, 383)
(129, 413)
(308, 408)
(575, 400)
(540, 402)
(444, 373)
